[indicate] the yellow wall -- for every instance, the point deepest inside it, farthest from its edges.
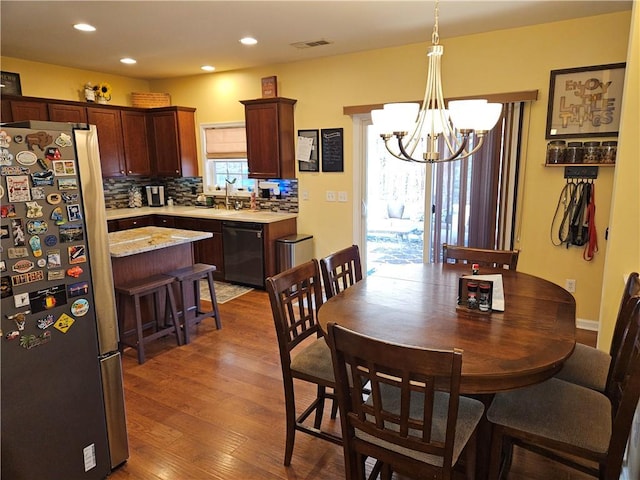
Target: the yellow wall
(502, 61)
(53, 81)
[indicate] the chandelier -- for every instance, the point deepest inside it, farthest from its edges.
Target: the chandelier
(422, 126)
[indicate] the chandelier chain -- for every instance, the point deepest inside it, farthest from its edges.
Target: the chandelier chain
(435, 36)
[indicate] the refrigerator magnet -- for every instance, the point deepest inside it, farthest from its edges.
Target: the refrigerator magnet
(63, 323)
(37, 193)
(64, 140)
(18, 188)
(46, 322)
(34, 210)
(55, 275)
(17, 230)
(41, 179)
(80, 307)
(77, 254)
(30, 341)
(38, 139)
(5, 139)
(36, 246)
(75, 272)
(21, 300)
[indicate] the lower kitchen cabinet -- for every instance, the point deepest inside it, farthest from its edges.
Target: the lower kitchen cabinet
(165, 221)
(127, 223)
(208, 250)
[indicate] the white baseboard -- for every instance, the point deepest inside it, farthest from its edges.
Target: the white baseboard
(590, 325)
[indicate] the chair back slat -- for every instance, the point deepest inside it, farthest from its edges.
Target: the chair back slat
(340, 270)
(484, 257)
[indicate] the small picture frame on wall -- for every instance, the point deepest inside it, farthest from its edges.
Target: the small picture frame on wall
(10, 83)
(585, 101)
(270, 87)
(307, 151)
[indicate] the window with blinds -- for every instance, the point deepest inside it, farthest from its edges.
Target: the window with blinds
(225, 149)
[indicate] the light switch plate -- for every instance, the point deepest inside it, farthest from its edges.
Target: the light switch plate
(342, 196)
(331, 196)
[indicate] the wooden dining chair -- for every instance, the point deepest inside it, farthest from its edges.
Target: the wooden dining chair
(591, 367)
(340, 270)
(295, 296)
(401, 406)
(572, 424)
(484, 257)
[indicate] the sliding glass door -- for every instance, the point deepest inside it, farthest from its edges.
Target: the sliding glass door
(411, 209)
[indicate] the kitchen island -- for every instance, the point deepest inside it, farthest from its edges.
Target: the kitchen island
(141, 253)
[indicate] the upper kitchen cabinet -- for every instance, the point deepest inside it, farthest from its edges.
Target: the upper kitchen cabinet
(28, 109)
(61, 112)
(109, 128)
(270, 137)
(135, 136)
(174, 149)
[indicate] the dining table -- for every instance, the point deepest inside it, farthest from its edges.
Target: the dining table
(417, 305)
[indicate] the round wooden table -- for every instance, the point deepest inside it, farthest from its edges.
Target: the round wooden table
(416, 305)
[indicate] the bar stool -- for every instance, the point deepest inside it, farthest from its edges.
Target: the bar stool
(152, 286)
(188, 278)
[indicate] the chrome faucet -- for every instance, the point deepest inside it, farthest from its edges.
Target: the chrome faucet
(227, 182)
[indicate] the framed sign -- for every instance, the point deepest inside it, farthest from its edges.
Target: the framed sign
(10, 83)
(307, 151)
(332, 151)
(269, 87)
(585, 101)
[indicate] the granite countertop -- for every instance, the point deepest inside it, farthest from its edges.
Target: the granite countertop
(257, 216)
(145, 239)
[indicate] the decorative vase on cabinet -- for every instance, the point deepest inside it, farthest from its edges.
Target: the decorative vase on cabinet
(270, 137)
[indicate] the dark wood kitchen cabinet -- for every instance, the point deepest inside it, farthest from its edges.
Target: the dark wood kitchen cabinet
(109, 127)
(22, 110)
(208, 250)
(135, 136)
(174, 141)
(62, 112)
(270, 137)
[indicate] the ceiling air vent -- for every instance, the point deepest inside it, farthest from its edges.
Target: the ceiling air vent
(316, 43)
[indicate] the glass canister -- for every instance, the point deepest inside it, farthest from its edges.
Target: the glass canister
(609, 150)
(556, 150)
(575, 152)
(591, 152)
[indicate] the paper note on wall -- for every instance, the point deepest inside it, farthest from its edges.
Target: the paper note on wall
(305, 146)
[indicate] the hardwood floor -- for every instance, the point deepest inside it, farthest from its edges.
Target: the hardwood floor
(214, 409)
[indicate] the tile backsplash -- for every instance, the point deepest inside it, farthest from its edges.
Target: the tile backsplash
(184, 191)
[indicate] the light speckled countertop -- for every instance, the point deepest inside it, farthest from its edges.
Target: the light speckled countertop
(146, 239)
(258, 216)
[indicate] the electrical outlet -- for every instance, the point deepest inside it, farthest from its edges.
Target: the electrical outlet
(342, 196)
(570, 285)
(331, 196)
(305, 195)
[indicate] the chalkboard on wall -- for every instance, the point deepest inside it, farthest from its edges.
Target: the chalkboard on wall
(332, 150)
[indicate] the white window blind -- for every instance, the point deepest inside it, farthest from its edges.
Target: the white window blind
(226, 142)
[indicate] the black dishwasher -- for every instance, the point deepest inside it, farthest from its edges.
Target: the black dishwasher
(243, 253)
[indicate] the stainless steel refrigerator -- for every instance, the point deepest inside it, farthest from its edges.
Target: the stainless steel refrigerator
(62, 401)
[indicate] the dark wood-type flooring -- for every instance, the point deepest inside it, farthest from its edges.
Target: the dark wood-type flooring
(214, 409)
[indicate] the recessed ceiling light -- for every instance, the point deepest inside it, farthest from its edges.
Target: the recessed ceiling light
(84, 27)
(128, 61)
(248, 41)
(207, 68)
